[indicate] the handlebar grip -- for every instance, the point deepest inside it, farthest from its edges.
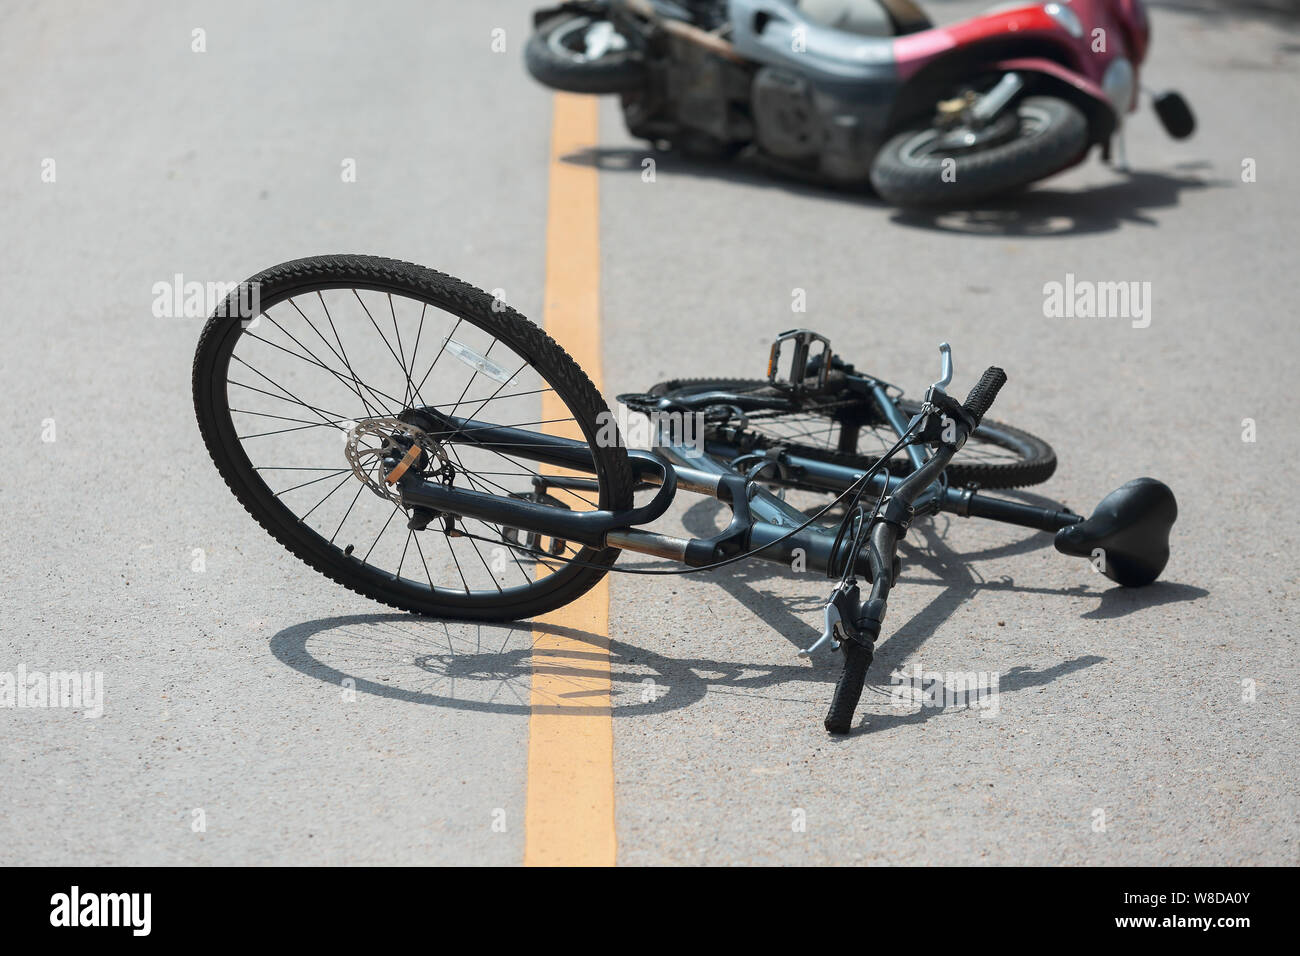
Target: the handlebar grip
(982, 395)
(857, 658)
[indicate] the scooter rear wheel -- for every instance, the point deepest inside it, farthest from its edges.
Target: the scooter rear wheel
(915, 169)
(578, 53)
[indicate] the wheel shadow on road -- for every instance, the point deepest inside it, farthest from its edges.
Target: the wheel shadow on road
(488, 667)
(1045, 211)
(1040, 211)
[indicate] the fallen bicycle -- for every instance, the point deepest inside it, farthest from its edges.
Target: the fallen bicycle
(364, 389)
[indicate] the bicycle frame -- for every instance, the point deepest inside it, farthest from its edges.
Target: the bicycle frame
(761, 522)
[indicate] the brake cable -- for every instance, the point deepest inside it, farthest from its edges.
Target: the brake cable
(861, 524)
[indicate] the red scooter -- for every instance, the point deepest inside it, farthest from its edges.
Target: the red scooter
(858, 91)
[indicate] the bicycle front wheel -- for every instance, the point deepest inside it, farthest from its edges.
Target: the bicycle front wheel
(298, 399)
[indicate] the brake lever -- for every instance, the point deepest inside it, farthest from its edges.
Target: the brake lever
(833, 620)
(945, 367)
(837, 627)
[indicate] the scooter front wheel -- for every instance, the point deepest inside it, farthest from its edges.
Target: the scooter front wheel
(930, 167)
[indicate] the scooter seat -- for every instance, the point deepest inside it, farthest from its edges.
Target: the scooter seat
(870, 18)
(1004, 7)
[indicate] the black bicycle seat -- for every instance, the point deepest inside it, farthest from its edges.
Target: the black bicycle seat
(1131, 528)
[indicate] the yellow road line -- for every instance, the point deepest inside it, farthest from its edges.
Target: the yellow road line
(569, 814)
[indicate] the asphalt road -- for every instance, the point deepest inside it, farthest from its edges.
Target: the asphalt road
(125, 554)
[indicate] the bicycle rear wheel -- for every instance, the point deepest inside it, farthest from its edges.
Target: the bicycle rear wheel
(297, 401)
(840, 429)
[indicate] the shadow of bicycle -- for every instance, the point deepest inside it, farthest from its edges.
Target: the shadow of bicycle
(759, 586)
(490, 667)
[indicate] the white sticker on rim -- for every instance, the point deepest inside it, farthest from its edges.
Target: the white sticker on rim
(480, 363)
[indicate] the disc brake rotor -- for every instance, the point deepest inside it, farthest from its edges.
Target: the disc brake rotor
(382, 450)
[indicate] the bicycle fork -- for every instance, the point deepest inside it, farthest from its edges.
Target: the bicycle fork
(856, 625)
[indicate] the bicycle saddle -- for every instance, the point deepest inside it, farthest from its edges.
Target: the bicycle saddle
(1131, 528)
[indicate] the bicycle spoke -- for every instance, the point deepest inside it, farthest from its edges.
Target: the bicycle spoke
(298, 428)
(355, 385)
(427, 575)
(342, 352)
(400, 363)
(345, 480)
(409, 535)
(343, 520)
(296, 468)
(312, 482)
(281, 398)
(401, 355)
(303, 358)
(283, 389)
(452, 551)
(439, 355)
(283, 418)
(486, 353)
(419, 330)
(396, 508)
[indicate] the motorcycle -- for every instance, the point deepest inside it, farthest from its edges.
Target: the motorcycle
(858, 92)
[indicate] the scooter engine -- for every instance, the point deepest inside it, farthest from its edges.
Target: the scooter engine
(786, 122)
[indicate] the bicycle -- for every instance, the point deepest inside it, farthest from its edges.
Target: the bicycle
(518, 489)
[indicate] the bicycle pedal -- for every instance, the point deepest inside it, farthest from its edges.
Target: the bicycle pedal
(803, 363)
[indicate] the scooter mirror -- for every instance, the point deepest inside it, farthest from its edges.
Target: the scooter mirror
(1175, 114)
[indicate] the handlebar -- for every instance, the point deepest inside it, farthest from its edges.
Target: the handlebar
(985, 391)
(884, 544)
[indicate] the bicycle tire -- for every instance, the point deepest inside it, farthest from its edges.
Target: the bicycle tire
(211, 386)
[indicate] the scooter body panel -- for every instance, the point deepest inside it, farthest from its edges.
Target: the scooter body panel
(773, 33)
